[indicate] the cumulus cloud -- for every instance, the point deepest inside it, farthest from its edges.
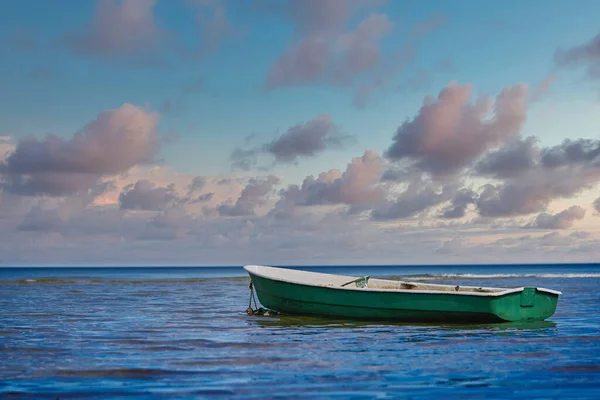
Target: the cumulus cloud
(449, 133)
(113, 143)
(118, 29)
(418, 197)
(458, 206)
(322, 49)
(128, 30)
(144, 195)
(561, 220)
(538, 177)
(585, 55)
(357, 185)
(516, 157)
(253, 196)
(572, 152)
(301, 140)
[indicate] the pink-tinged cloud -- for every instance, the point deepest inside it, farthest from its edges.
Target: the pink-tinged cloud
(542, 89)
(113, 143)
(360, 47)
(120, 28)
(254, 195)
(357, 186)
(304, 62)
(449, 133)
(323, 50)
(562, 220)
(145, 195)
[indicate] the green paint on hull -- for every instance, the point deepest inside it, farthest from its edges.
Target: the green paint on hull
(527, 305)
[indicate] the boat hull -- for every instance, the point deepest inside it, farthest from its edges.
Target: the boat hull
(292, 298)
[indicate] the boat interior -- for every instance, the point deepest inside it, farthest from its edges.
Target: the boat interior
(364, 282)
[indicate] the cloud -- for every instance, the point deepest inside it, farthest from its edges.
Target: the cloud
(562, 220)
(301, 140)
(126, 28)
(419, 196)
(212, 18)
(542, 89)
(356, 186)
(197, 185)
(323, 49)
(144, 195)
(572, 152)
(253, 196)
(516, 157)
(360, 47)
(584, 55)
(533, 191)
(113, 143)
(6, 147)
(449, 133)
(597, 204)
(458, 206)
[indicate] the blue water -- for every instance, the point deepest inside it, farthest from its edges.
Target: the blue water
(183, 332)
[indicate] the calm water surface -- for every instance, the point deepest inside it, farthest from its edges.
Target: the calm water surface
(183, 332)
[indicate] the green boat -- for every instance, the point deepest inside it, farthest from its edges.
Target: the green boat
(298, 292)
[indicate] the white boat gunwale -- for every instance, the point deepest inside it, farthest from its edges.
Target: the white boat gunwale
(255, 270)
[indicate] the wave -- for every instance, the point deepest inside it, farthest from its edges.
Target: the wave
(416, 277)
(133, 281)
(504, 276)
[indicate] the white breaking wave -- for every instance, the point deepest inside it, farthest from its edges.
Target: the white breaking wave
(503, 276)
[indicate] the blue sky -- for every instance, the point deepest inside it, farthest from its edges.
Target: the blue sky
(215, 101)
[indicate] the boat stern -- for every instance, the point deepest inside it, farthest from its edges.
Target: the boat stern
(526, 304)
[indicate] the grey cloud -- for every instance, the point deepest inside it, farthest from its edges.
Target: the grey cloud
(449, 133)
(459, 204)
(417, 197)
(355, 186)
(322, 50)
(144, 195)
(39, 219)
(569, 152)
(597, 204)
(196, 185)
(585, 55)
(516, 157)
(302, 140)
(252, 196)
(125, 29)
(113, 143)
(561, 220)
(533, 177)
(533, 192)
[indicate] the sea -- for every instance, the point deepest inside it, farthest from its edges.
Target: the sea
(183, 332)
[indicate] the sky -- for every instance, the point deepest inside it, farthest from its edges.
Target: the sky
(314, 132)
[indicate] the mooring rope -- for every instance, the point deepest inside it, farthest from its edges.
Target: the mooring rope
(257, 310)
